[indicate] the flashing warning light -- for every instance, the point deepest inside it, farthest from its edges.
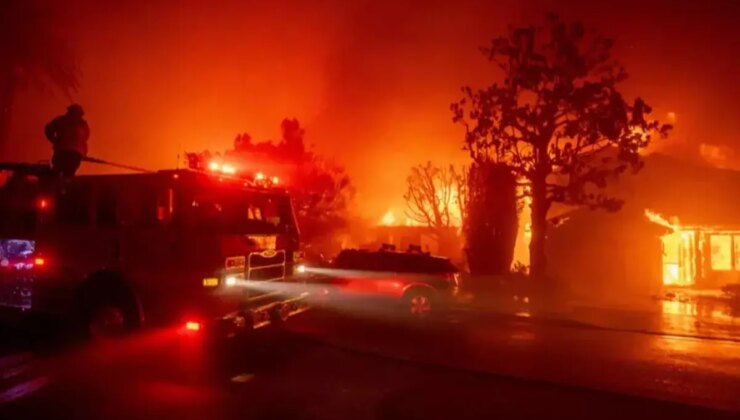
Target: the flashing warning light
(214, 166)
(38, 261)
(275, 180)
(43, 203)
(192, 326)
(300, 269)
(230, 281)
(259, 176)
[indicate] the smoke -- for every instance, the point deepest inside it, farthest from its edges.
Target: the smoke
(371, 81)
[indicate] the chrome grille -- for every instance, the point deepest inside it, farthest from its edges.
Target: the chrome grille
(266, 266)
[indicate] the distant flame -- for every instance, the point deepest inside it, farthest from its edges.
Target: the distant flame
(660, 220)
(718, 156)
(389, 219)
(678, 251)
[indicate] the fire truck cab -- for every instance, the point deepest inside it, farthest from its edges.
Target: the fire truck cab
(175, 247)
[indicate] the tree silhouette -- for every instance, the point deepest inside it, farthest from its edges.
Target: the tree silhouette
(436, 197)
(492, 219)
(321, 190)
(556, 119)
(31, 54)
(432, 195)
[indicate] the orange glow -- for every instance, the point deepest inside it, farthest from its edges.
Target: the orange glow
(210, 282)
(660, 220)
(214, 166)
(389, 219)
(524, 230)
(679, 251)
(228, 169)
(275, 180)
(259, 176)
(192, 326)
(412, 222)
(39, 261)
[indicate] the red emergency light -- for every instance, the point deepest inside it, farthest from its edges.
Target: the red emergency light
(43, 203)
(39, 262)
(224, 168)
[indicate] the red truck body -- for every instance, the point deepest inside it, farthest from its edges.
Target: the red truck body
(164, 247)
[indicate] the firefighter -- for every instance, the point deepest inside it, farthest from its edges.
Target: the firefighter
(68, 134)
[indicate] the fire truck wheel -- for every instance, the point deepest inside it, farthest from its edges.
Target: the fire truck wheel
(107, 313)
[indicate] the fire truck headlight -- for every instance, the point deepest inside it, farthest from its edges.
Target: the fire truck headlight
(230, 281)
(300, 269)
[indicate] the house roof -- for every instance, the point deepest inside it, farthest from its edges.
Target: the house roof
(697, 195)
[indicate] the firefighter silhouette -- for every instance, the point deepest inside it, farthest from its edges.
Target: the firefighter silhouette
(68, 134)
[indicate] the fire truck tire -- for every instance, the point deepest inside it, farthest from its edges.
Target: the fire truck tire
(108, 308)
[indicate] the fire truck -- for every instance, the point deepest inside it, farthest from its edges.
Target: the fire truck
(174, 247)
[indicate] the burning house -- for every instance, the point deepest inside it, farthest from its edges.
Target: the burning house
(402, 232)
(679, 227)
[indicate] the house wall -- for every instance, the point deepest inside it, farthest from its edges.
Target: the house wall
(605, 256)
(720, 259)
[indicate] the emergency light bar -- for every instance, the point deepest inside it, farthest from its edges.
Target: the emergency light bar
(228, 169)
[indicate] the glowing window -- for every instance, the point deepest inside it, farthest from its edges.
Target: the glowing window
(721, 252)
(736, 241)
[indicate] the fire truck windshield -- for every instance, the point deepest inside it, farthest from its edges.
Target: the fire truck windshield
(236, 210)
(18, 205)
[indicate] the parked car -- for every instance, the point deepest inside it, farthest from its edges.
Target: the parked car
(417, 283)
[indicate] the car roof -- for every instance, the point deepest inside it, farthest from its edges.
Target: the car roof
(383, 260)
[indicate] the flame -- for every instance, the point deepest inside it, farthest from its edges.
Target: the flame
(524, 230)
(389, 219)
(657, 218)
(678, 251)
(411, 222)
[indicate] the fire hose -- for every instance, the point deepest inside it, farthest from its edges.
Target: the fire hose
(114, 164)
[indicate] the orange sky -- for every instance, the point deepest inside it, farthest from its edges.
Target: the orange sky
(370, 80)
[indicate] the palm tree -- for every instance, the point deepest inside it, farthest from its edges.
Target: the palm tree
(31, 54)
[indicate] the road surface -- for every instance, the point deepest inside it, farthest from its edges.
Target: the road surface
(334, 366)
